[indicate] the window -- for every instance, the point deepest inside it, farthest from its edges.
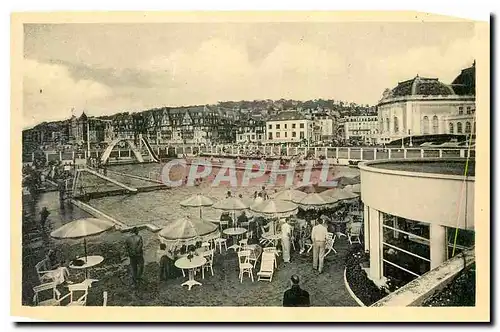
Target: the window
(260, 136)
(459, 128)
(474, 125)
(270, 136)
(302, 135)
(286, 126)
(301, 126)
(468, 109)
(253, 137)
(451, 128)
(464, 239)
(277, 126)
(435, 124)
(425, 125)
(387, 124)
(270, 126)
(293, 125)
(396, 124)
(294, 134)
(277, 135)
(467, 127)
(241, 137)
(286, 134)
(406, 251)
(460, 110)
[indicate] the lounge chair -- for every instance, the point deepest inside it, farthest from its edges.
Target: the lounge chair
(266, 266)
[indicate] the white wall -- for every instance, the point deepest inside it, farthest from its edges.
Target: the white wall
(431, 198)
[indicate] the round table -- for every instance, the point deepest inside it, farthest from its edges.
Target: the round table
(184, 263)
(235, 231)
(274, 238)
(90, 261)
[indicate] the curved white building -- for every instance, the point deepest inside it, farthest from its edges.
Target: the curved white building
(412, 209)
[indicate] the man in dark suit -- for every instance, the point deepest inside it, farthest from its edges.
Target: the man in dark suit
(296, 296)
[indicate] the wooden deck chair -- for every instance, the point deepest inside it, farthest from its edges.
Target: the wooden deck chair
(45, 289)
(354, 233)
(275, 252)
(74, 298)
(266, 266)
(330, 241)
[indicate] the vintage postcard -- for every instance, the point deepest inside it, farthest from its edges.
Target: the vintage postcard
(210, 166)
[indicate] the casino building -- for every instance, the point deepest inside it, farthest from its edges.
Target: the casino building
(424, 106)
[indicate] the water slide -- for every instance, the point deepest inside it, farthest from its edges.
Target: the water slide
(152, 153)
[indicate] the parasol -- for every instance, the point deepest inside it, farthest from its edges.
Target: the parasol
(186, 230)
(354, 188)
(197, 201)
(82, 228)
(314, 188)
(316, 201)
(231, 204)
(289, 195)
(346, 181)
(339, 194)
(275, 208)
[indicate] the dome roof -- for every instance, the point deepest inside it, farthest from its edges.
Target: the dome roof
(421, 86)
(465, 83)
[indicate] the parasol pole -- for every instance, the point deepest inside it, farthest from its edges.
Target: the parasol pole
(200, 212)
(85, 248)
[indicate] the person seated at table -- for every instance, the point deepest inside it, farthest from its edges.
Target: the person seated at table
(183, 250)
(165, 261)
(52, 260)
(242, 218)
(191, 250)
(199, 250)
(225, 216)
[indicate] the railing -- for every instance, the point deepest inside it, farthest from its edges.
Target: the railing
(338, 153)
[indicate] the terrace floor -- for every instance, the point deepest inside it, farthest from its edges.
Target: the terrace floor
(222, 289)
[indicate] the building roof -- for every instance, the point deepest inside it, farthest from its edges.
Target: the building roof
(287, 115)
(465, 83)
(421, 86)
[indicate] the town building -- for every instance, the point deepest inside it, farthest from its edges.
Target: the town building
(326, 127)
(289, 127)
(250, 131)
(360, 128)
(423, 106)
(99, 130)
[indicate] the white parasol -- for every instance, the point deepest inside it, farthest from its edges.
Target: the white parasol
(82, 228)
(316, 201)
(289, 195)
(198, 201)
(187, 231)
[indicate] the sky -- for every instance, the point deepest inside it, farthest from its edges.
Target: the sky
(110, 68)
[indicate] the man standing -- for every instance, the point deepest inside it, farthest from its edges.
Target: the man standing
(318, 237)
(286, 232)
(135, 253)
(296, 296)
